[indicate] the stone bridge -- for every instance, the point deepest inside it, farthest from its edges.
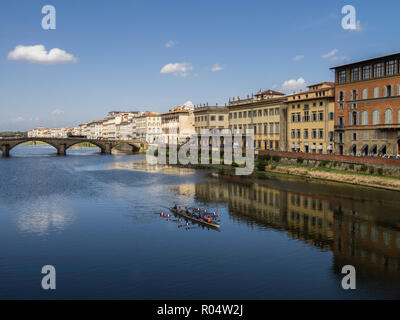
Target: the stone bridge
(63, 144)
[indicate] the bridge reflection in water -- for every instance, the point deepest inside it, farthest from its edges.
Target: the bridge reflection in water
(359, 232)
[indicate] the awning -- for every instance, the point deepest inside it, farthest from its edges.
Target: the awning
(353, 147)
(297, 146)
(320, 147)
(313, 146)
(365, 147)
(374, 148)
(306, 144)
(292, 145)
(382, 148)
(329, 147)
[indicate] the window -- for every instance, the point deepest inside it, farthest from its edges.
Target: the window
(230, 116)
(314, 134)
(376, 92)
(378, 70)
(221, 118)
(331, 136)
(388, 91)
(320, 134)
(364, 118)
(314, 116)
(265, 128)
(331, 116)
(306, 116)
(293, 134)
(342, 76)
(320, 116)
(366, 136)
(235, 115)
(340, 97)
(259, 113)
(240, 115)
(212, 118)
(266, 112)
(249, 114)
(354, 95)
(254, 113)
(277, 111)
(271, 128)
(390, 68)
(375, 117)
(366, 72)
(355, 74)
(276, 127)
(244, 114)
(305, 133)
(388, 116)
(298, 135)
(365, 94)
(341, 106)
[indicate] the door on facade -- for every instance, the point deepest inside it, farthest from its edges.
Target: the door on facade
(341, 150)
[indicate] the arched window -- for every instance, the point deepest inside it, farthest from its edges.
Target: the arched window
(365, 94)
(364, 118)
(376, 92)
(388, 116)
(375, 117)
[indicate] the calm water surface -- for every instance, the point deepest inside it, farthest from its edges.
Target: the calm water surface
(96, 219)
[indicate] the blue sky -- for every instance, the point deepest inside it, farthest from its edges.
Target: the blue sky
(121, 47)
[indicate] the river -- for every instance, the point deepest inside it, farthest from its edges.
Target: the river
(96, 219)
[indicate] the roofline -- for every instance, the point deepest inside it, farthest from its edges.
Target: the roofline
(364, 61)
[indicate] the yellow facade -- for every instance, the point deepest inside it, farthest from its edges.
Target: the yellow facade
(262, 114)
(310, 119)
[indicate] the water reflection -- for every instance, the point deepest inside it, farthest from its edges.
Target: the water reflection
(365, 234)
(43, 217)
(144, 166)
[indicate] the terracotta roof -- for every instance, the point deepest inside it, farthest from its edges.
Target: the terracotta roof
(270, 93)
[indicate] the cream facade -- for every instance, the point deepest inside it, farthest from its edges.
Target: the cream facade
(177, 125)
(148, 126)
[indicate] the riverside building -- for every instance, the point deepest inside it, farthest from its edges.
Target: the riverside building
(367, 107)
(265, 113)
(310, 119)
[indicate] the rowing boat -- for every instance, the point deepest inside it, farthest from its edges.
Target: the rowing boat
(182, 213)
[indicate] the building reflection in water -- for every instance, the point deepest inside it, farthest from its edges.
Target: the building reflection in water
(144, 166)
(365, 234)
(45, 217)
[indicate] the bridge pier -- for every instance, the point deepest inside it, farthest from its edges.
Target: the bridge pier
(61, 150)
(107, 149)
(6, 151)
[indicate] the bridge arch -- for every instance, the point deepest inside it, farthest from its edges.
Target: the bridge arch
(135, 146)
(101, 146)
(7, 149)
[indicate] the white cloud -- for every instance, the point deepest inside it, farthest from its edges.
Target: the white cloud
(294, 85)
(297, 58)
(170, 44)
(39, 54)
(330, 54)
(19, 119)
(57, 112)
(189, 104)
(216, 68)
(181, 69)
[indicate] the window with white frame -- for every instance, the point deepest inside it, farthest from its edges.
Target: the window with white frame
(375, 117)
(364, 118)
(365, 94)
(376, 92)
(390, 68)
(366, 72)
(378, 70)
(388, 116)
